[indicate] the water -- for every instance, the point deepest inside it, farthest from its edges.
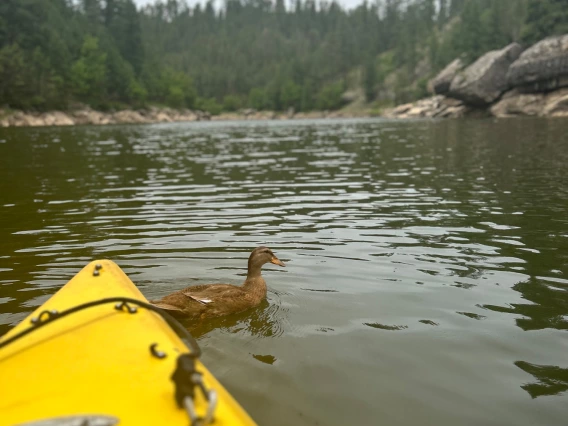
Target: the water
(427, 262)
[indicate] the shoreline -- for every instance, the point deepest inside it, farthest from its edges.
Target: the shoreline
(153, 115)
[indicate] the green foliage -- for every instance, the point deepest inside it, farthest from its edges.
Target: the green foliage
(386, 66)
(257, 54)
(210, 105)
(88, 73)
(257, 98)
(544, 18)
(232, 103)
(12, 76)
(329, 97)
(290, 95)
(370, 80)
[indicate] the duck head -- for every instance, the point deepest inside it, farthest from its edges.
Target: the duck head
(259, 257)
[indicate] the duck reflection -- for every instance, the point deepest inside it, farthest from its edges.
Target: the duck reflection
(552, 380)
(264, 320)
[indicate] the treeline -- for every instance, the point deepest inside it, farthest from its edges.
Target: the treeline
(251, 53)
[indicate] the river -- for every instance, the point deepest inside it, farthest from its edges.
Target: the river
(426, 269)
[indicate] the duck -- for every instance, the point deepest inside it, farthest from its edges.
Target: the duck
(216, 300)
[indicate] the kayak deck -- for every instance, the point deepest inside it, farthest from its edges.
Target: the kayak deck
(105, 360)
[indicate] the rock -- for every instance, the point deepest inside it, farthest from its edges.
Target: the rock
(203, 115)
(128, 116)
(21, 119)
(486, 79)
(226, 116)
(57, 118)
(402, 109)
(247, 112)
(542, 67)
(440, 85)
(89, 116)
(515, 103)
(162, 117)
(350, 96)
(434, 107)
(33, 120)
(308, 115)
(556, 104)
(185, 115)
(453, 112)
(518, 103)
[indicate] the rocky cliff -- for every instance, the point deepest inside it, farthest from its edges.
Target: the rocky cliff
(503, 83)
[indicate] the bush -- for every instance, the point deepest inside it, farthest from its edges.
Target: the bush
(210, 105)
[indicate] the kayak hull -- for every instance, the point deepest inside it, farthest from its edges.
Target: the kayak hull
(100, 361)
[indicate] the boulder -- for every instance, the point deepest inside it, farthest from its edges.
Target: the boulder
(440, 85)
(247, 112)
(57, 118)
(33, 120)
(542, 67)
(515, 103)
(128, 116)
(433, 107)
(89, 116)
(556, 104)
(162, 117)
(22, 119)
(485, 80)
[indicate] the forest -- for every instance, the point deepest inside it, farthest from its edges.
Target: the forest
(305, 55)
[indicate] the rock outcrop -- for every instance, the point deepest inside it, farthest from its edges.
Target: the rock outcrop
(516, 103)
(433, 107)
(440, 85)
(542, 67)
(485, 80)
(87, 116)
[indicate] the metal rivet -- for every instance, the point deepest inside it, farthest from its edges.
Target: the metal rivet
(130, 309)
(98, 266)
(96, 273)
(156, 352)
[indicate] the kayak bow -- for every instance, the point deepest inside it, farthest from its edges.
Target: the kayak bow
(96, 353)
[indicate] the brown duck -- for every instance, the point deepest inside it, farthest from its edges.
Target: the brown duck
(215, 300)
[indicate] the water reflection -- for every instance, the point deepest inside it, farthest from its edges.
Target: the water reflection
(549, 307)
(265, 320)
(551, 380)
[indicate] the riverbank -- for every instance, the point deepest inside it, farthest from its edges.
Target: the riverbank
(88, 116)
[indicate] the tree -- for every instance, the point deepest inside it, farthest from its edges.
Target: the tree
(544, 18)
(12, 77)
(370, 80)
(329, 97)
(250, 53)
(89, 72)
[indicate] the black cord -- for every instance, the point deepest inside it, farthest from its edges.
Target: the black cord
(52, 316)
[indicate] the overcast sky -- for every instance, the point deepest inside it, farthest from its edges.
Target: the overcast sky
(346, 3)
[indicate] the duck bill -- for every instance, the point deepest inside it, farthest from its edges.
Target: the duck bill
(277, 261)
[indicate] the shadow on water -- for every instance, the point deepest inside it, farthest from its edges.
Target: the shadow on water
(552, 380)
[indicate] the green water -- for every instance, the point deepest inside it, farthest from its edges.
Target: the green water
(427, 262)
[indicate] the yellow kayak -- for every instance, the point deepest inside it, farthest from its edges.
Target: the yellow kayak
(97, 354)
